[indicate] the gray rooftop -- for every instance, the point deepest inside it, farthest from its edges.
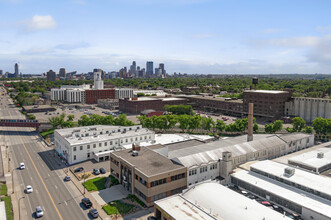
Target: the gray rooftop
(267, 91)
(148, 162)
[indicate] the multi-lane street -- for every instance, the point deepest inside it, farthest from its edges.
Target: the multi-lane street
(58, 199)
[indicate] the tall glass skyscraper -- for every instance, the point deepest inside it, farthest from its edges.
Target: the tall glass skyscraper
(149, 68)
(16, 70)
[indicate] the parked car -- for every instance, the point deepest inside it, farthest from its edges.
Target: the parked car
(87, 203)
(39, 212)
(22, 166)
(79, 169)
(67, 178)
(277, 208)
(266, 203)
(102, 170)
(29, 189)
(94, 213)
(96, 171)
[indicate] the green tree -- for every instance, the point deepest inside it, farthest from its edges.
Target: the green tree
(298, 124)
(207, 123)
(322, 125)
(70, 117)
(220, 125)
(308, 130)
(183, 121)
(194, 122)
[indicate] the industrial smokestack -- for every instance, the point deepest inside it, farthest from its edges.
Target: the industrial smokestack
(250, 122)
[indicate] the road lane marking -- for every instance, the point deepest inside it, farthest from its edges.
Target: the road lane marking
(55, 186)
(42, 181)
(48, 174)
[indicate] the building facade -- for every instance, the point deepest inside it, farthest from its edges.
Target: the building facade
(308, 108)
(108, 103)
(96, 142)
(51, 75)
(267, 103)
(92, 96)
(122, 93)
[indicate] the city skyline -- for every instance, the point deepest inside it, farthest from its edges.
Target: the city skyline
(189, 36)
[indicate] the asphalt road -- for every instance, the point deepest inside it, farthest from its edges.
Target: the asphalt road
(43, 172)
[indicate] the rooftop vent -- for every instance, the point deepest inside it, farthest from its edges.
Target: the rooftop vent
(289, 171)
(134, 153)
(320, 155)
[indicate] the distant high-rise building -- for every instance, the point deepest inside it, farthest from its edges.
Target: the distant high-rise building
(62, 72)
(133, 68)
(98, 82)
(51, 75)
(161, 67)
(149, 68)
(16, 70)
(1, 73)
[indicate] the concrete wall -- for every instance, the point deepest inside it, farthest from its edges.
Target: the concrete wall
(202, 176)
(311, 108)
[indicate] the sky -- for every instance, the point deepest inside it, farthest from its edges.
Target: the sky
(188, 36)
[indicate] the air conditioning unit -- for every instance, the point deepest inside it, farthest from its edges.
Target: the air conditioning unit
(134, 153)
(289, 171)
(320, 155)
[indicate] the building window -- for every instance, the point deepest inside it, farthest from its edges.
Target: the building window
(75, 148)
(178, 177)
(105, 143)
(158, 182)
(100, 144)
(203, 169)
(111, 143)
(213, 166)
(74, 157)
(88, 147)
(126, 140)
(192, 172)
(94, 145)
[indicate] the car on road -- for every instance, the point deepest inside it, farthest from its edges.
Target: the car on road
(96, 171)
(39, 212)
(102, 170)
(22, 166)
(87, 202)
(67, 178)
(29, 189)
(79, 169)
(94, 213)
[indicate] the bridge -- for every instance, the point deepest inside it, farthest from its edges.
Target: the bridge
(20, 123)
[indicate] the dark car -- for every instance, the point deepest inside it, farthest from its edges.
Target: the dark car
(102, 170)
(96, 171)
(151, 218)
(277, 208)
(87, 202)
(79, 169)
(67, 178)
(94, 213)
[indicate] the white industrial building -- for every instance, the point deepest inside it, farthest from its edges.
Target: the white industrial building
(121, 93)
(98, 82)
(308, 108)
(206, 161)
(96, 142)
(70, 93)
(212, 201)
(300, 191)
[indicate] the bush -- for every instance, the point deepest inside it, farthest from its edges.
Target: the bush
(31, 117)
(117, 207)
(46, 133)
(95, 184)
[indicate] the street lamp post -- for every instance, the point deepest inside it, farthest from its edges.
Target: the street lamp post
(19, 207)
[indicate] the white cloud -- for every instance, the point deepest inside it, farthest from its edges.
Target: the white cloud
(324, 29)
(272, 31)
(39, 22)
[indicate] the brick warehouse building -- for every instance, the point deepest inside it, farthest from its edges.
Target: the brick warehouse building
(137, 105)
(92, 96)
(267, 103)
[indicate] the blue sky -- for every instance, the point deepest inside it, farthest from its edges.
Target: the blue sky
(193, 36)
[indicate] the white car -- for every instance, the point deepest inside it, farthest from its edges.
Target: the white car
(22, 166)
(29, 189)
(39, 212)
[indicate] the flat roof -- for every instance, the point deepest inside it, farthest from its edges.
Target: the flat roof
(148, 162)
(310, 158)
(266, 91)
(295, 195)
(302, 177)
(221, 99)
(30, 107)
(220, 201)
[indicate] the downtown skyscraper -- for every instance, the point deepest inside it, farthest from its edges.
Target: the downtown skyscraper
(149, 68)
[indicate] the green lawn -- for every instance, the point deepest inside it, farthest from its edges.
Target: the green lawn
(135, 198)
(48, 132)
(3, 189)
(95, 184)
(117, 207)
(113, 180)
(8, 207)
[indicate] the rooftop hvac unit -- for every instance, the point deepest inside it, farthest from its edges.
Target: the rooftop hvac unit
(320, 155)
(134, 153)
(289, 171)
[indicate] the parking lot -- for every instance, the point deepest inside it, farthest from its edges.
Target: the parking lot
(89, 165)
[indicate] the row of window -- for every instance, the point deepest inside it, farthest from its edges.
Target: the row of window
(178, 177)
(203, 169)
(158, 182)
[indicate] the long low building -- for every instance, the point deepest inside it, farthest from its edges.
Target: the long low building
(298, 192)
(212, 201)
(96, 142)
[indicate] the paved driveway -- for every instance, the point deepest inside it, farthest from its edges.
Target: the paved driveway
(111, 194)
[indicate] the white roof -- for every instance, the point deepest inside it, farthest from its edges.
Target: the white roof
(295, 195)
(301, 177)
(267, 91)
(220, 201)
(173, 138)
(310, 158)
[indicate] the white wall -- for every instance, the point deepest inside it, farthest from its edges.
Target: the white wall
(199, 177)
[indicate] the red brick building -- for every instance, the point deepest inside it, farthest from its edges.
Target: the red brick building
(137, 105)
(92, 96)
(267, 103)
